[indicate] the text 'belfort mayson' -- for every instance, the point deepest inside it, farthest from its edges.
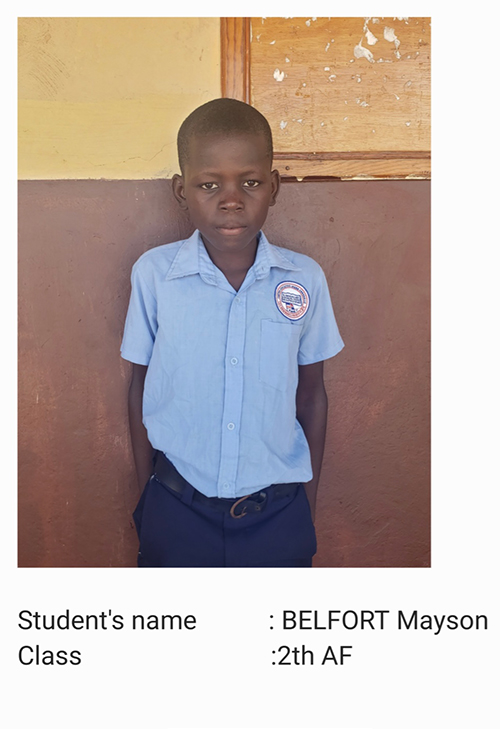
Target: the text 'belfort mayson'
(379, 620)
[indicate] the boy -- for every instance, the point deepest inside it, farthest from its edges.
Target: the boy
(228, 335)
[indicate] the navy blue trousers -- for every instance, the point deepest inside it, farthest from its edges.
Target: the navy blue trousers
(179, 530)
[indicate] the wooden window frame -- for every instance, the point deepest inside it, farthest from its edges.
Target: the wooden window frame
(236, 84)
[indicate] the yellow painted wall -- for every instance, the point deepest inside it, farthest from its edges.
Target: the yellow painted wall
(104, 97)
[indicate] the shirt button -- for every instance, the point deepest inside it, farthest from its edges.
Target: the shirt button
(230, 426)
(225, 486)
(234, 360)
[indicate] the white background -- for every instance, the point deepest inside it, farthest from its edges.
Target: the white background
(221, 673)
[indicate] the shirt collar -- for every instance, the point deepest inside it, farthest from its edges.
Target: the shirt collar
(269, 256)
(192, 258)
(186, 261)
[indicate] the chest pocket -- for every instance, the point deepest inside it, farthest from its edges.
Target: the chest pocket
(279, 347)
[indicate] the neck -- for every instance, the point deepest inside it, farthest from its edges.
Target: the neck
(231, 262)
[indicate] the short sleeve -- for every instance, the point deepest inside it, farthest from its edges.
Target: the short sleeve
(320, 337)
(141, 323)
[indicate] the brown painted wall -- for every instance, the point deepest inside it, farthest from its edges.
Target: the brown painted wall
(78, 241)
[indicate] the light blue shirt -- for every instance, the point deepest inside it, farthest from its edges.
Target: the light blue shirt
(219, 394)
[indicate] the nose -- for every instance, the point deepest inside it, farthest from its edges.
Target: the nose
(231, 199)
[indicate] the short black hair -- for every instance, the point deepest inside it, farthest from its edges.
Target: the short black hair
(222, 116)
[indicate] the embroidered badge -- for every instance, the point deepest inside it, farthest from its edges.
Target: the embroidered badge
(291, 299)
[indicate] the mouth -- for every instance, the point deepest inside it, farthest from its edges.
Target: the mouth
(231, 230)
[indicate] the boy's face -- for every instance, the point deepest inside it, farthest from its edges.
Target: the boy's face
(227, 186)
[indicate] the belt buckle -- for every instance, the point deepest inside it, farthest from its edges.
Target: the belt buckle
(261, 497)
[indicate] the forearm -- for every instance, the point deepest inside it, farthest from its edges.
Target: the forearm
(141, 447)
(312, 414)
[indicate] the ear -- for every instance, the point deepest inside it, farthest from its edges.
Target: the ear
(275, 186)
(178, 190)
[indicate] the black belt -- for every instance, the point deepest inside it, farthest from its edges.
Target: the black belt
(166, 473)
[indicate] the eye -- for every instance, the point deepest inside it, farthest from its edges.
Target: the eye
(208, 185)
(251, 183)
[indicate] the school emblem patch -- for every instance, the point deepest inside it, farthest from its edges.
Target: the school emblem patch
(291, 299)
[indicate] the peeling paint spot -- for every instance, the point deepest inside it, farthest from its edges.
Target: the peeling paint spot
(272, 43)
(346, 118)
(407, 124)
(373, 130)
(279, 75)
(297, 120)
(322, 124)
(327, 68)
(361, 52)
(287, 60)
(364, 103)
(391, 37)
(299, 179)
(327, 46)
(397, 97)
(408, 83)
(303, 84)
(332, 76)
(283, 124)
(308, 23)
(371, 39)
(375, 20)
